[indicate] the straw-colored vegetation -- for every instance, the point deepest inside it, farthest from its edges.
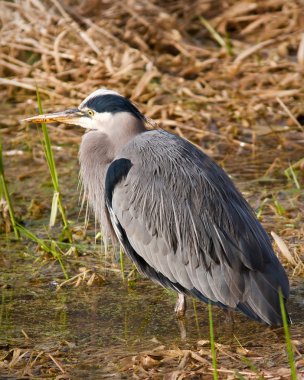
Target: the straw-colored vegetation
(227, 75)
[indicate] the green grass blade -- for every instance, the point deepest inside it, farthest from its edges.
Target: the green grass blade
(196, 317)
(248, 363)
(239, 376)
(291, 175)
(213, 352)
(216, 36)
(1, 161)
(261, 208)
(47, 146)
(46, 143)
(279, 208)
(66, 225)
(4, 192)
(54, 209)
(295, 179)
(291, 359)
(252, 367)
(57, 256)
(34, 238)
(122, 263)
(44, 246)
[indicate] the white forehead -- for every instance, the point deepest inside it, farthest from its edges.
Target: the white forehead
(99, 92)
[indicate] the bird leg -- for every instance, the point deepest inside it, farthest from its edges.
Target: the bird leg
(229, 322)
(229, 317)
(182, 328)
(180, 310)
(180, 306)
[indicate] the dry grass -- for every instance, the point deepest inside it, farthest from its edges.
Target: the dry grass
(233, 86)
(162, 362)
(164, 58)
(237, 96)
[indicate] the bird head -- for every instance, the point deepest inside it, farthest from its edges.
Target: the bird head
(97, 112)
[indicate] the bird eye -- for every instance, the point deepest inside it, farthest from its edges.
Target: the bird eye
(91, 113)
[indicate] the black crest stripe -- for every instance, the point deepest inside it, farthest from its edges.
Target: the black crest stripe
(113, 104)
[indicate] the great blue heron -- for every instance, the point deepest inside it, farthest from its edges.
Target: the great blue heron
(176, 213)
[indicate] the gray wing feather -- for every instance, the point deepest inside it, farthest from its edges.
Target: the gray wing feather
(183, 216)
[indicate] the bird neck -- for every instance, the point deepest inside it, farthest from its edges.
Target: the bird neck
(123, 128)
(97, 150)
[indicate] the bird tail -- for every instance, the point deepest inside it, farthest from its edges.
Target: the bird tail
(262, 301)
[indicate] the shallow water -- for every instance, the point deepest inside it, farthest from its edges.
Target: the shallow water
(96, 325)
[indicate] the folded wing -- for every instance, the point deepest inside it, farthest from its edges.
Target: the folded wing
(184, 224)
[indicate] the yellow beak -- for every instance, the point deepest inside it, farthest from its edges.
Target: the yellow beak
(70, 116)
